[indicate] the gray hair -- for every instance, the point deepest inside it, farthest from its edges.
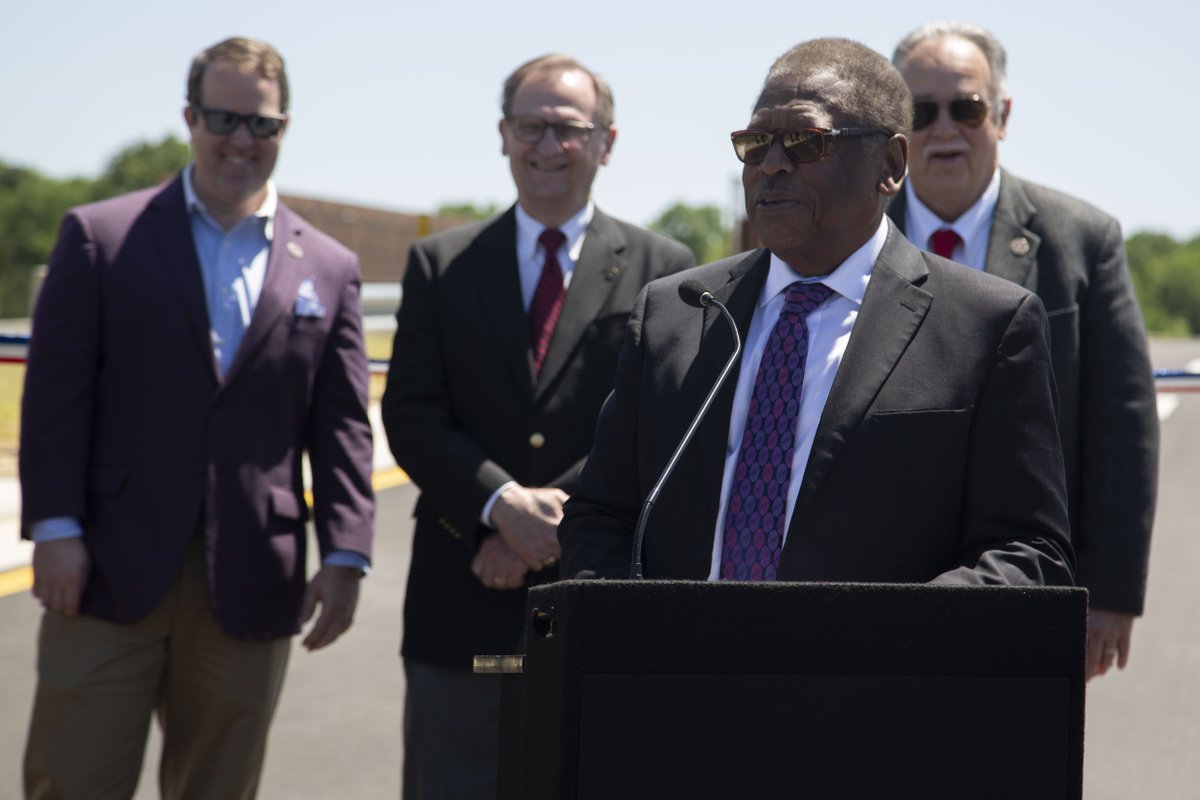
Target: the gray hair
(988, 44)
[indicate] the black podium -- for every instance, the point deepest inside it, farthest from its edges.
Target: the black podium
(673, 689)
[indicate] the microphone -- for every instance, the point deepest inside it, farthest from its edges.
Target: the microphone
(695, 294)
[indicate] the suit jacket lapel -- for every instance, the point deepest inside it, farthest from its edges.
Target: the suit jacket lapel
(740, 295)
(1012, 247)
(596, 274)
(893, 309)
(494, 270)
(173, 234)
(285, 270)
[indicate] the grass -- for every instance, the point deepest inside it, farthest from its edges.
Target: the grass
(12, 376)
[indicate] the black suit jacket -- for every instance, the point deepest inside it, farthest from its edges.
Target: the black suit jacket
(936, 457)
(464, 415)
(1073, 256)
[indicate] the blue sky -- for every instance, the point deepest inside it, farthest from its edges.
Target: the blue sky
(395, 104)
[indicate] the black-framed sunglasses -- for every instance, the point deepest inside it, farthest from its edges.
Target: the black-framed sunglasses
(531, 130)
(223, 123)
(802, 147)
(971, 111)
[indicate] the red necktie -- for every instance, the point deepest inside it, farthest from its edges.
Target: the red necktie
(547, 298)
(943, 242)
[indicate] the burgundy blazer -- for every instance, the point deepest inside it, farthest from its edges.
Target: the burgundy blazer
(127, 426)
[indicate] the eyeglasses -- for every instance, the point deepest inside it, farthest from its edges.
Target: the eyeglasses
(223, 123)
(970, 111)
(802, 146)
(531, 130)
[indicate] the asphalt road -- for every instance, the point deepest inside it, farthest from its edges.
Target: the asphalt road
(337, 732)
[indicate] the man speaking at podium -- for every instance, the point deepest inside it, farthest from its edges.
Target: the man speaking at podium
(892, 415)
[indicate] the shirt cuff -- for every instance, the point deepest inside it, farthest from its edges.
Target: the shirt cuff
(52, 529)
(347, 558)
(486, 516)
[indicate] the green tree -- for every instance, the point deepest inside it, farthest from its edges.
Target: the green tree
(1166, 277)
(32, 206)
(698, 227)
(143, 164)
(470, 212)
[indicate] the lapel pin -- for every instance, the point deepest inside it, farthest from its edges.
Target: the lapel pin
(295, 249)
(612, 272)
(1019, 246)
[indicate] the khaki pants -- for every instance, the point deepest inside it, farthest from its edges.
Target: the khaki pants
(100, 683)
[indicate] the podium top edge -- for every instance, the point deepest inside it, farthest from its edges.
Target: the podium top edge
(811, 588)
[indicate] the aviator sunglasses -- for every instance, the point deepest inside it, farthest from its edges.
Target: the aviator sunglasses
(223, 123)
(802, 146)
(970, 111)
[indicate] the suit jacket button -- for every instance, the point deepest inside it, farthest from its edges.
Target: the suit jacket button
(536, 440)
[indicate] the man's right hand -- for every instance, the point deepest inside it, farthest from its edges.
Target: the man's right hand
(60, 571)
(527, 520)
(496, 566)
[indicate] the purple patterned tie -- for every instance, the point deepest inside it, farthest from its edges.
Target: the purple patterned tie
(757, 510)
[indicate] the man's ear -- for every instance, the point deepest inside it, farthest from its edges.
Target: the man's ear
(609, 139)
(1005, 108)
(503, 139)
(895, 164)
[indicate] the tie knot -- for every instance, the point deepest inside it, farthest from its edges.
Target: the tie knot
(943, 242)
(552, 239)
(804, 297)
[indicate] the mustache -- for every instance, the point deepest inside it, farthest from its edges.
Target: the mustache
(771, 184)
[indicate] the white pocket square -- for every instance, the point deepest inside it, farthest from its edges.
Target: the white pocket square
(307, 302)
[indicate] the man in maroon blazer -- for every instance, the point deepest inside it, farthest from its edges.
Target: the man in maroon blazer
(191, 342)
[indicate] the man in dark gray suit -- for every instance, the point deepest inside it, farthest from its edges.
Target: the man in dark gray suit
(505, 349)
(892, 417)
(959, 202)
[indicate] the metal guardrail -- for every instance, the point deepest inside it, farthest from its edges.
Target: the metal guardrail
(14, 347)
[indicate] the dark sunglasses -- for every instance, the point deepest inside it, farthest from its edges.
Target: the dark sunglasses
(223, 123)
(802, 146)
(531, 130)
(970, 111)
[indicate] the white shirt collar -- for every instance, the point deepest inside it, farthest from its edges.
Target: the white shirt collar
(266, 211)
(529, 229)
(974, 225)
(849, 279)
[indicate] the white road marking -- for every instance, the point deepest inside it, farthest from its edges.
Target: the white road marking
(1168, 402)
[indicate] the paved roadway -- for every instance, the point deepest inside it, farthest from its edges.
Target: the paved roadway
(336, 734)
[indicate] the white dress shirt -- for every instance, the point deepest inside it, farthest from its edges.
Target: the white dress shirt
(530, 260)
(974, 227)
(829, 328)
